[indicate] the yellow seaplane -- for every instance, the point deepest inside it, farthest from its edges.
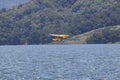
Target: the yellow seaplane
(59, 37)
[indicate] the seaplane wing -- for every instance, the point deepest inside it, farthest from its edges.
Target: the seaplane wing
(59, 35)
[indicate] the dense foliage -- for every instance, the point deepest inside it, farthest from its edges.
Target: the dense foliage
(107, 35)
(32, 22)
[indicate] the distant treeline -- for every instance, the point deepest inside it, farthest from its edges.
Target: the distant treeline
(107, 35)
(31, 23)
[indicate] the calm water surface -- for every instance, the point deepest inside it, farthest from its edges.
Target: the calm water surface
(60, 62)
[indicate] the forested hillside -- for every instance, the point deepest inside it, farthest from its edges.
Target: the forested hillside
(105, 35)
(32, 22)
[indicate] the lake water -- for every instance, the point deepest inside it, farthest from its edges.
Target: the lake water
(60, 62)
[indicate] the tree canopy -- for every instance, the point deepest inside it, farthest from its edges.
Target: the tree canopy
(32, 22)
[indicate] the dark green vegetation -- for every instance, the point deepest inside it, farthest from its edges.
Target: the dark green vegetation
(107, 35)
(32, 22)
